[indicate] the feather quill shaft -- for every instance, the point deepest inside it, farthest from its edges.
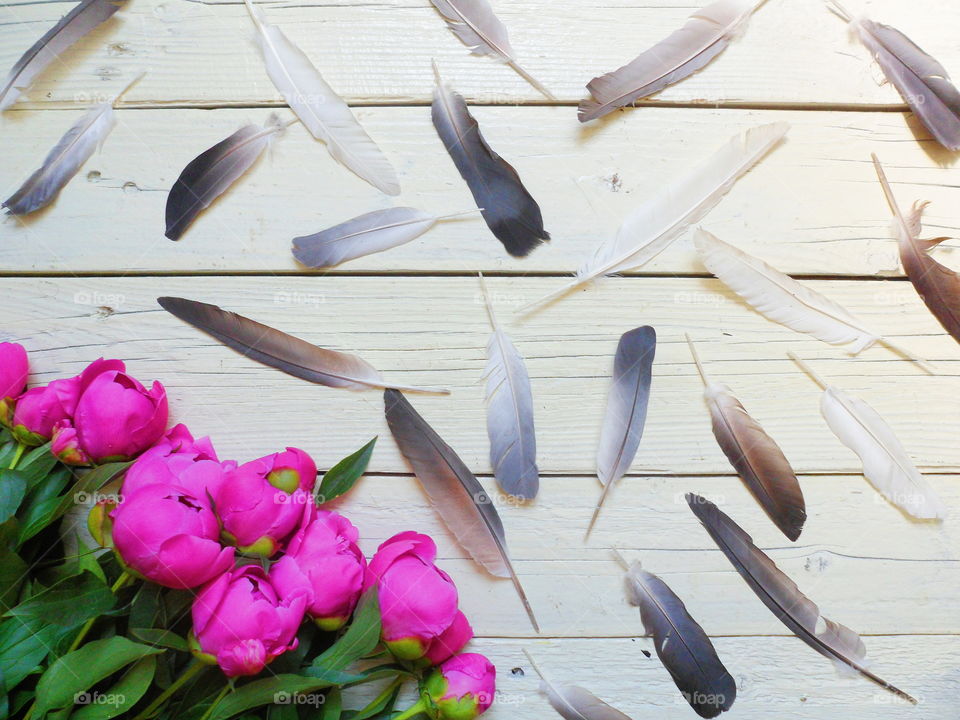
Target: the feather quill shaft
(279, 350)
(780, 298)
(365, 234)
(781, 595)
(886, 463)
(921, 80)
(626, 412)
(66, 157)
(937, 285)
(476, 26)
(509, 210)
(83, 18)
(322, 111)
(681, 644)
(651, 228)
(510, 427)
(704, 36)
(211, 173)
(755, 456)
(454, 492)
(573, 702)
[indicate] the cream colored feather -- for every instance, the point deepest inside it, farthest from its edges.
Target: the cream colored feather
(322, 111)
(663, 218)
(573, 702)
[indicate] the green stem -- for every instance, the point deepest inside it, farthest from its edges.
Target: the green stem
(384, 695)
(121, 581)
(192, 669)
(216, 700)
(17, 455)
(417, 708)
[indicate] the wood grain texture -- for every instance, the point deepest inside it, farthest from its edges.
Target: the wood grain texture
(812, 207)
(433, 332)
(199, 52)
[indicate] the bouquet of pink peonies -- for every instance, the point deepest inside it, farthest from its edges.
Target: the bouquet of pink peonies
(202, 588)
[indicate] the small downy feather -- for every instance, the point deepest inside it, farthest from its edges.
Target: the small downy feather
(922, 82)
(886, 463)
(213, 171)
(278, 350)
(704, 36)
(573, 702)
(782, 596)
(320, 109)
(937, 285)
(66, 158)
(477, 27)
(626, 412)
(681, 644)
(755, 456)
(454, 491)
(651, 228)
(366, 234)
(509, 210)
(83, 18)
(780, 298)
(513, 440)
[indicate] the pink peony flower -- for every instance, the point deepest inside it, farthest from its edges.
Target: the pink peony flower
(323, 562)
(261, 502)
(450, 641)
(418, 601)
(13, 378)
(179, 461)
(169, 536)
(241, 624)
(115, 418)
(463, 687)
(39, 409)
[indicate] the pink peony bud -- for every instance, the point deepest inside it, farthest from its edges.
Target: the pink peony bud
(323, 562)
(462, 688)
(66, 445)
(13, 378)
(115, 418)
(450, 641)
(179, 461)
(39, 409)
(241, 624)
(261, 502)
(169, 536)
(418, 601)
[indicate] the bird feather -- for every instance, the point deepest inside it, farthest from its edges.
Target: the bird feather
(704, 36)
(510, 428)
(320, 109)
(278, 350)
(573, 702)
(454, 491)
(83, 18)
(213, 171)
(781, 595)
(509, 210)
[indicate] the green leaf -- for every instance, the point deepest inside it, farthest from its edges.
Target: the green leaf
(161, 638)
(13, 486)
(128, 690)
(341, 477)
(41, 503)
(36, 465)
(262, 692)
(69, 603)
(23, 645)
(78, 671)
(361, 637)
(332, 706)
(13, 571)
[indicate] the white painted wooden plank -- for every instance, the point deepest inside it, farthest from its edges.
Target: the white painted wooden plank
(434, 331)
(200, 52)
(812, 207)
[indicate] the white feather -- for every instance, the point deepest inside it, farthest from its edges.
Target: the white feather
(513, 441)
(573, 702)
(664, 217)
(322, 111)
(885, 462)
